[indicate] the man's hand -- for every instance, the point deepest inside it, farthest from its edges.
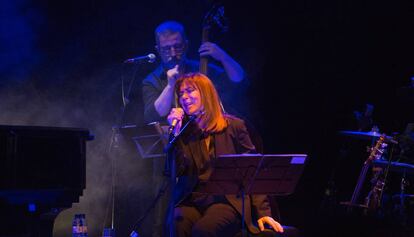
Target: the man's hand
(270, 221)
(233, 69)
(213, 50)
(164, 101)
(172, 75)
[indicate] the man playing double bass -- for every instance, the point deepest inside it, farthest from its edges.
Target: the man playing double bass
(158, 87)
(172, 45)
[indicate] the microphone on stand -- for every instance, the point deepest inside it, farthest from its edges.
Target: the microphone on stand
(150, 58)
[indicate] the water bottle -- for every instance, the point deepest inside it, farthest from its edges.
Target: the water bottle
(79, 226)
(76, 232)
(84, 226)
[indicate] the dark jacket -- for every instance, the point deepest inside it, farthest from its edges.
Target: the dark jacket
(233, 140)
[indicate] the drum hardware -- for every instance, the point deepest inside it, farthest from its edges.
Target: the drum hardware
(397, 204)
(400, 198)
(374, 197)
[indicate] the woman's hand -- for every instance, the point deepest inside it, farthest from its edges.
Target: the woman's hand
(270, 221)
(175, 119)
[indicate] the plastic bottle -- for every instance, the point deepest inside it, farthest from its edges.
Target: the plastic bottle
(79, 226)
(76, 232)
(84, 226)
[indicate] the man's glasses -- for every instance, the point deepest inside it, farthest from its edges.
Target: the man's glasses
(178, 48)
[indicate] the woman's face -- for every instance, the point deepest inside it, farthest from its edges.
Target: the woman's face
(190, 99)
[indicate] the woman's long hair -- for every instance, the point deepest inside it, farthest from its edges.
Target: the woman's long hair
(212, 119)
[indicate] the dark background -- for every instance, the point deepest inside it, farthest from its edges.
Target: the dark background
(310, 64)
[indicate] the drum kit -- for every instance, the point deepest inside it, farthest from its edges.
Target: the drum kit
(384, 164)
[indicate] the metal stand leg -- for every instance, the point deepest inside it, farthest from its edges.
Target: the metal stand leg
(244, 232)
(402, 199)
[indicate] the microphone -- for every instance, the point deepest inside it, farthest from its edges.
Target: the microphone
(175, 121)
(173, 124)
(148, 58)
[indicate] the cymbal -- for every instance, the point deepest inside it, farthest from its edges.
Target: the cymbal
(367, 135)
(395, 166)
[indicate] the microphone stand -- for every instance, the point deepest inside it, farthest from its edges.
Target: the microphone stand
(114, 145)
(171, 167)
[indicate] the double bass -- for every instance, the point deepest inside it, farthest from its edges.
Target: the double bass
(214, 17)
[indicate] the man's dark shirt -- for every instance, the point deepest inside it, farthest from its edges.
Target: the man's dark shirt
(155, 82)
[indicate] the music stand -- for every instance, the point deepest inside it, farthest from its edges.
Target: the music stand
(247, 174)
(148, 140)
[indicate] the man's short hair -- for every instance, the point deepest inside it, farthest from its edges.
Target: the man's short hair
(169, 27)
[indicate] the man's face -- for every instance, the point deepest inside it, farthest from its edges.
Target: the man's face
(171, 48)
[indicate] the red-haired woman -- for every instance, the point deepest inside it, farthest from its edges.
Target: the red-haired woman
(212, 134)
